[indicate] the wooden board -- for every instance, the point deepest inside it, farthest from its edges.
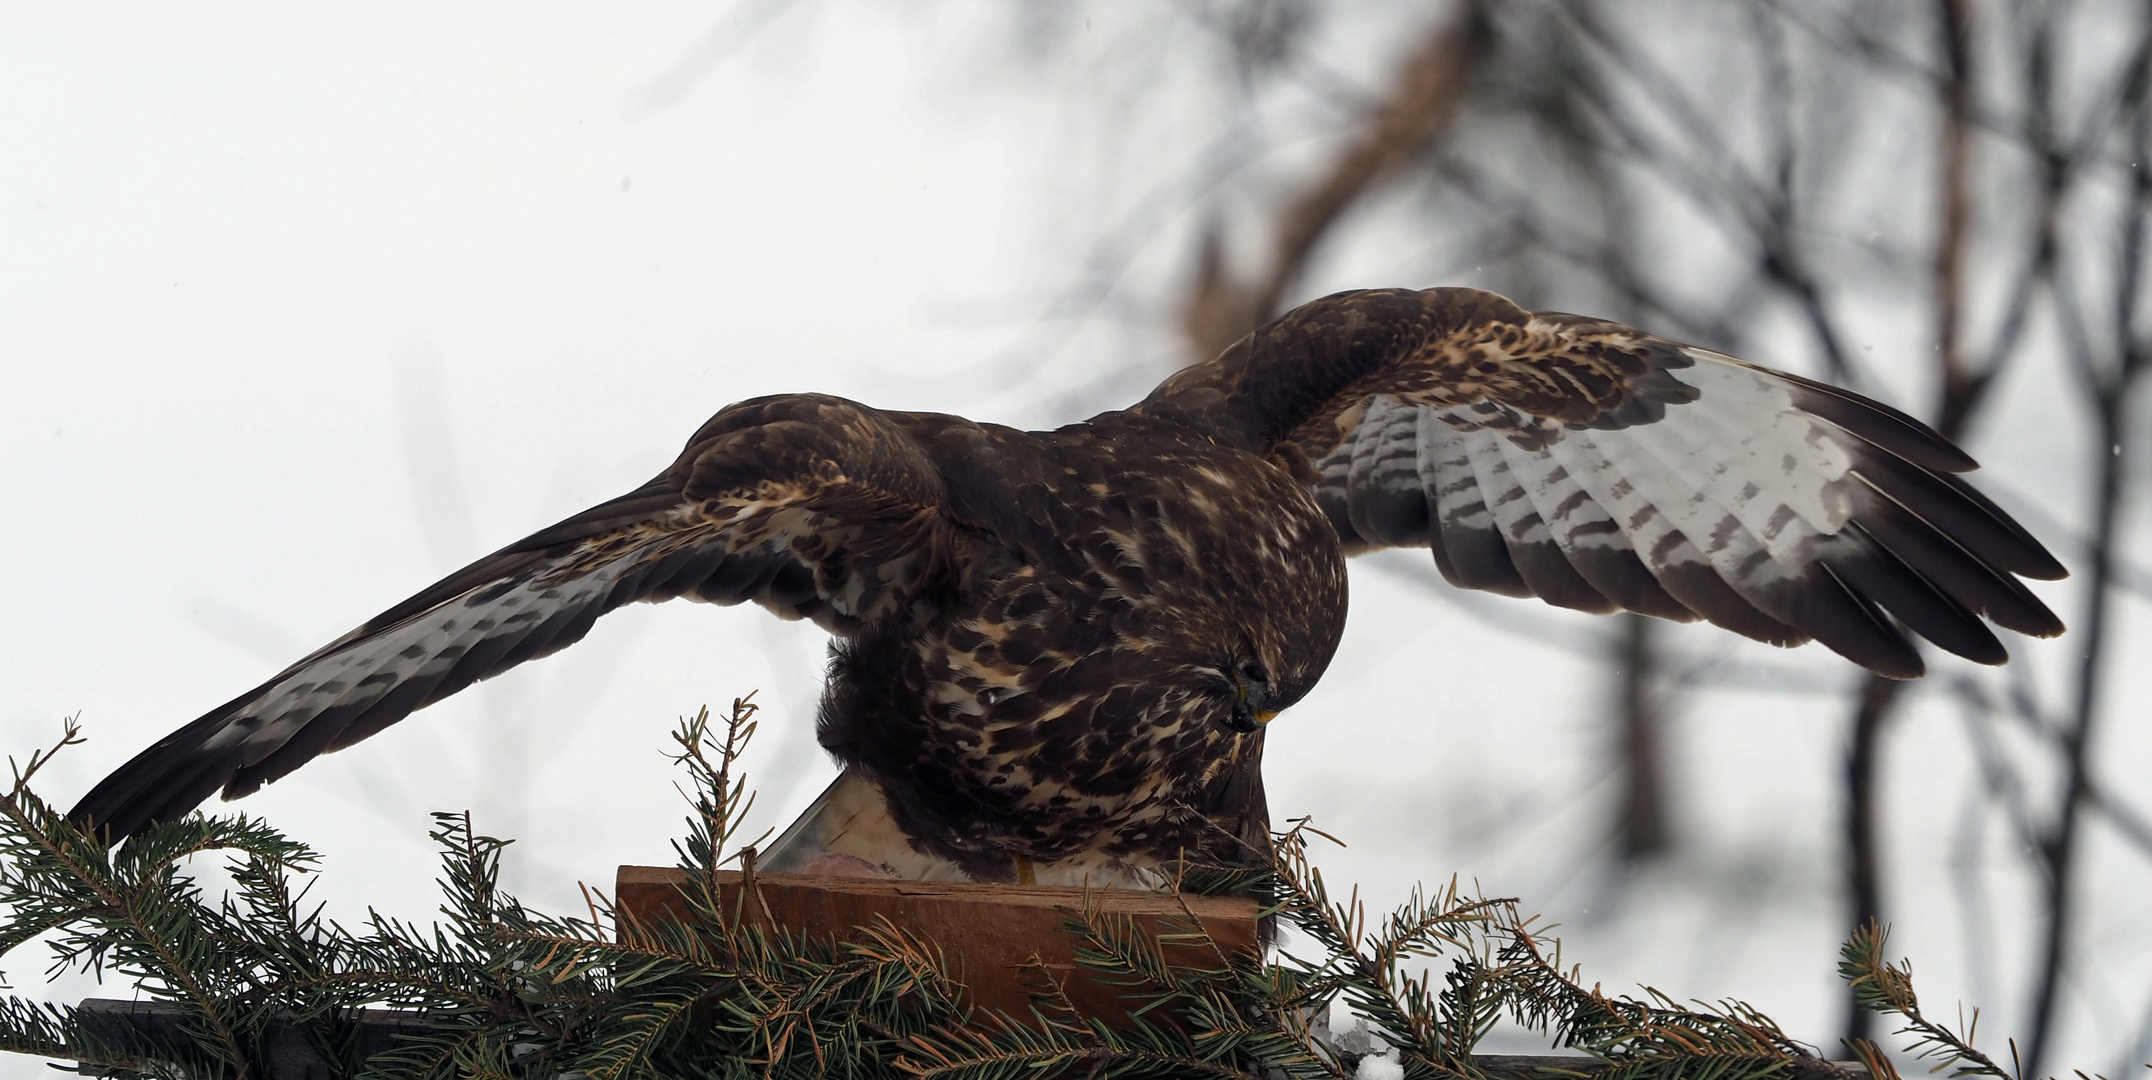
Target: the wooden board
(987, 932)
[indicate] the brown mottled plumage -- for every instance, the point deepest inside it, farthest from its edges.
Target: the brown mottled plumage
(1056, 648)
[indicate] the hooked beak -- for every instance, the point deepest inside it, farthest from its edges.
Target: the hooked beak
(1246, 715)
(1245, 720)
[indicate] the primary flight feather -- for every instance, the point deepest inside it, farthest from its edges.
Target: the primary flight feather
(1056, 649)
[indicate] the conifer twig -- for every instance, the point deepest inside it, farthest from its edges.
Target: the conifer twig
(1884, 987)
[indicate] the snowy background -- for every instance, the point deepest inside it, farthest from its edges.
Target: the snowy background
(301, 308)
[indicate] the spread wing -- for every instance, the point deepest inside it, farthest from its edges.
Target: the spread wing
(814, 507)
(1600, 468)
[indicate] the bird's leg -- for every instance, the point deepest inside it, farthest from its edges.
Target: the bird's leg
(1025, 874)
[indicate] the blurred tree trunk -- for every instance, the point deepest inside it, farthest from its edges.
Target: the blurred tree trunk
(1864, 857)
(1643, 831)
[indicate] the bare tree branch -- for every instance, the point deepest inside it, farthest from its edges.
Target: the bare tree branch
(1960, 394)
(1423, 98)
(2110, 393)
(1711, 173)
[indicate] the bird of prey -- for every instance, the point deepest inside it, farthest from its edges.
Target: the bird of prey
(1056, 651)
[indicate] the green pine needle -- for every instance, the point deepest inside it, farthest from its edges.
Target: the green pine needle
(510, 993)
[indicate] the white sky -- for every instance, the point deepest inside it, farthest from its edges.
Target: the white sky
(302, 307)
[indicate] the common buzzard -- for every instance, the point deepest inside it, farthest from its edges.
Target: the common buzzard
(1056, 651)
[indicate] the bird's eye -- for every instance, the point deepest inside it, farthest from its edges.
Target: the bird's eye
(1255, 672)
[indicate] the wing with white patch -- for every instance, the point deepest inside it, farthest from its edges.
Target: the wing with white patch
(813, 507)
(1601, 468)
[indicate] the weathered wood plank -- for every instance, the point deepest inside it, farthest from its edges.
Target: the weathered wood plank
(995, 937)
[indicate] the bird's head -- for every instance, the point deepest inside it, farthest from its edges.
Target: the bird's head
(1250, 683)
(1260, 644)
(1247, 662)
(1243, 593)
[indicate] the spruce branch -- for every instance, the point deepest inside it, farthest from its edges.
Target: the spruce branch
(495, 989)
(720, 800)
(1884, 987)
(141, 915)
